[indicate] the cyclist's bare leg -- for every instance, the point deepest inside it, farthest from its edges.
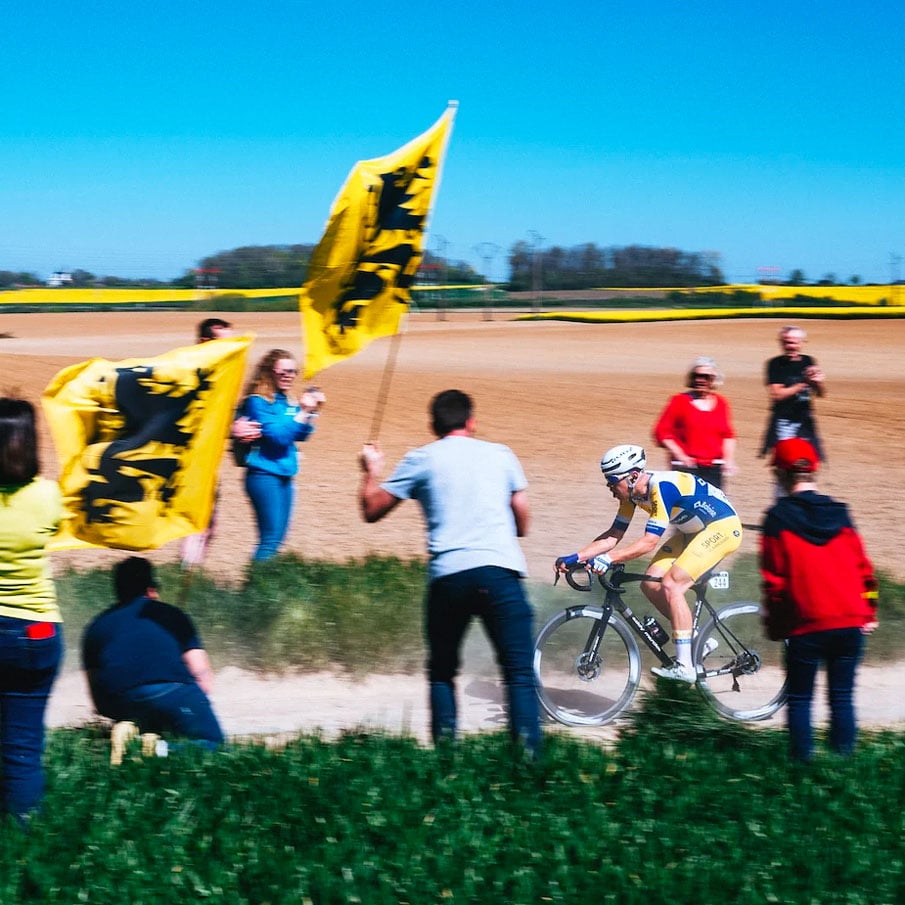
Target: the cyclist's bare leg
(676, 583)
(668, 596)
(681, 561)
(653, 591)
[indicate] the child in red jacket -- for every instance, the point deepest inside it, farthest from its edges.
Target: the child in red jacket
(819, 593)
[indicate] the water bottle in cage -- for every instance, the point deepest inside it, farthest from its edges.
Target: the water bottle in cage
(655, 630)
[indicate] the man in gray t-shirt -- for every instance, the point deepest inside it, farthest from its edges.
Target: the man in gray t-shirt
(474, 499)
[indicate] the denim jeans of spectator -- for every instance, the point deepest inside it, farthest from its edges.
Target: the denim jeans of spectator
(840, 649)
(30, 655)
(496, 596)
(271, 498)
(168, 708)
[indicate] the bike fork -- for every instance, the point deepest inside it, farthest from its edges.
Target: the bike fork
(595, 636)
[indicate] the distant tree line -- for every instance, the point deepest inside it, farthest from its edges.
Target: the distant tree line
(435, 269)
(10, 278)
(279, 266)
(251, 267)
(588, 266)
(80, 279)
(584, 266)
(797, 278)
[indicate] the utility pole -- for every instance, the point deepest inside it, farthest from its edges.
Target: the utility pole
(537, 240)
(895, 287)
(487, 251)
(441, 244)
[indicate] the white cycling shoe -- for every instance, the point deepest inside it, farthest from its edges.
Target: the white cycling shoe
(710, 645)
(678, 672)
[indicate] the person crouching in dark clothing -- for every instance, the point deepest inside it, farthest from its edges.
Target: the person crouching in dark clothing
(145, 661)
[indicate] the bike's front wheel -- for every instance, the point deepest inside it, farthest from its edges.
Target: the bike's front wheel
(586, 670)
(740, 672)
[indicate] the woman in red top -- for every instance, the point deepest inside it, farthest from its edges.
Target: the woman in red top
(696, 426)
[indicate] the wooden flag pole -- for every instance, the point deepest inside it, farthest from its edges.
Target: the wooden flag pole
(185, 586)
(384, 390)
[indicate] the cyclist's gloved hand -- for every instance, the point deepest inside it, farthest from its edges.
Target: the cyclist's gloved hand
(599, 564)
(562, 564)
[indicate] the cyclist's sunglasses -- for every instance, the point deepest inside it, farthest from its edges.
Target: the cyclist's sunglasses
(614, 479)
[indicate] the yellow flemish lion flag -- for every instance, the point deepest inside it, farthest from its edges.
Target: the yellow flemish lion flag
(139, 442)
(364, 265)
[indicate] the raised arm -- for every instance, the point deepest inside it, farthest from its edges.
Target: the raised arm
(603, 543)
(375, 502)
(276, 426)
(815, 379)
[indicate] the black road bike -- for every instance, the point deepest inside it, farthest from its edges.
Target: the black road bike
(587, 662)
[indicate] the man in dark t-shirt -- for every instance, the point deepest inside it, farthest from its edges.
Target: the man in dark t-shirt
(793, 379)
(145, 661)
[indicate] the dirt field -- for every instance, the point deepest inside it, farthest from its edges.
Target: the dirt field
(557, 393)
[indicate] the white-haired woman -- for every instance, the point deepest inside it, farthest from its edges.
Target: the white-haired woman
(696, 426)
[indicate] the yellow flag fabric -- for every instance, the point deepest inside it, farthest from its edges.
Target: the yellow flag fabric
(364, 265)
(140, 441)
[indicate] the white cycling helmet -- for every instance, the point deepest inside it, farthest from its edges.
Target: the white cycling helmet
(622, 459)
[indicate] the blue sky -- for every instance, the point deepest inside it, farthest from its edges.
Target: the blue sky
(137, 138)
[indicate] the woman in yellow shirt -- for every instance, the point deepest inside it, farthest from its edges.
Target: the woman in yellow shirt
(31, 638)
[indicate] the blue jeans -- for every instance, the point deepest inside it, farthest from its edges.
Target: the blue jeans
(164, 707)
(28, 667)
(271, 497)
(496, 596)
(841, 650)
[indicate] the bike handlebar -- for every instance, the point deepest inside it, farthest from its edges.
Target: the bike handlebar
(612, 580)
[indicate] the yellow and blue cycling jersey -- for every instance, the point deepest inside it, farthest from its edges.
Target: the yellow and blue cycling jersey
(675, 498)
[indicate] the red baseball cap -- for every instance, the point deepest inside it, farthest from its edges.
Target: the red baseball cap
(795, 454)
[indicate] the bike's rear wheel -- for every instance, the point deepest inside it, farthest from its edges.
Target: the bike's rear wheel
(743, 677)
(582, 688)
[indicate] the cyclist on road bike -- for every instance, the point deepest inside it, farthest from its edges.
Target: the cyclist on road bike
(706, 529)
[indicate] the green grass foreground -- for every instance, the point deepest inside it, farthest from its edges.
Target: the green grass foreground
(684, 808)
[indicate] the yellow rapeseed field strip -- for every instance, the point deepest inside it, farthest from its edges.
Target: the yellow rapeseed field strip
(129, 296)
(858, 295)
(685, 314)
(879, 297)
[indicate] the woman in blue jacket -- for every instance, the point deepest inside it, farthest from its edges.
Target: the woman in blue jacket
(273, 460)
